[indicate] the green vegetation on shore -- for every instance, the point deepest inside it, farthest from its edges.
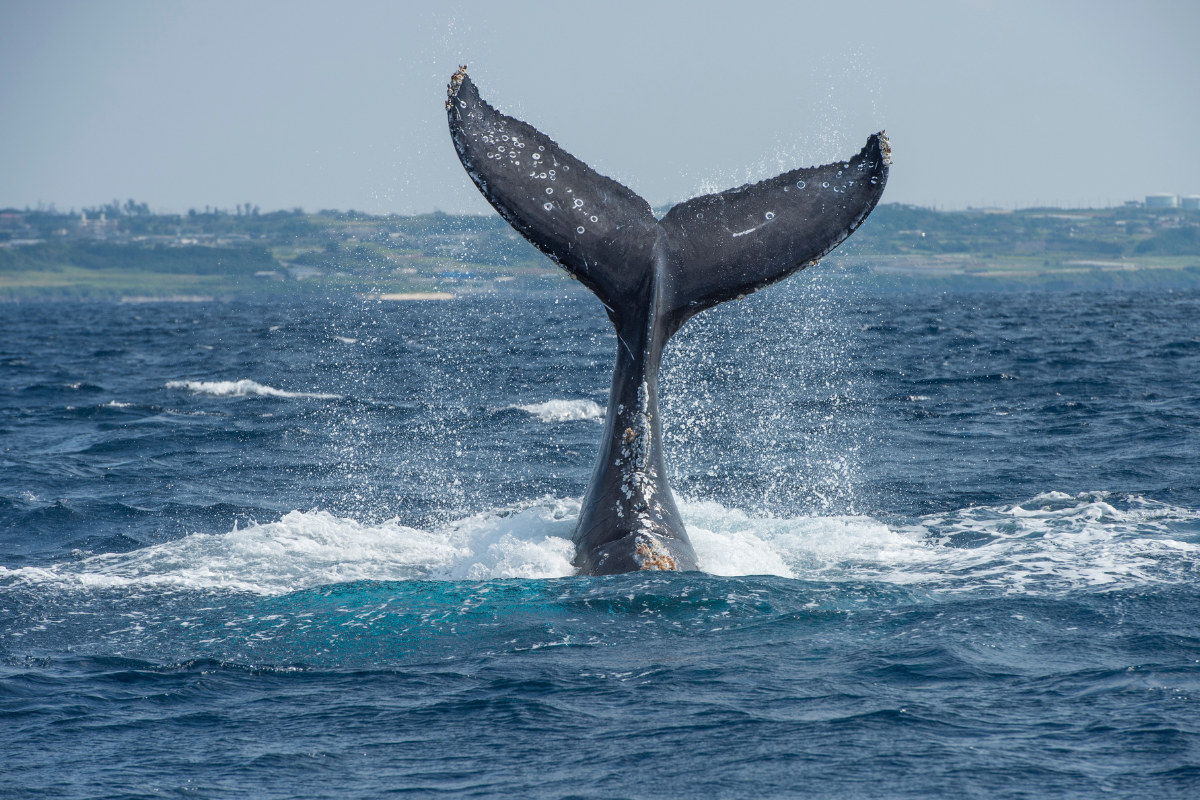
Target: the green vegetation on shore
(126, 252)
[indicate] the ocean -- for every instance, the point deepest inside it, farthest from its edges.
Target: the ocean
(321, 549)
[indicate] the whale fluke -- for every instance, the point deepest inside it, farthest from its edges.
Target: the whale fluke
(651, 276)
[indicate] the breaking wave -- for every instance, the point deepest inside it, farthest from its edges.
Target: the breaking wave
(564, 410)
(244, 388)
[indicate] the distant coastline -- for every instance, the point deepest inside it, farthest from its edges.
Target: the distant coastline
(126, 252)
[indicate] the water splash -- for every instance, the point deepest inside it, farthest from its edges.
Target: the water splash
(1052, 543)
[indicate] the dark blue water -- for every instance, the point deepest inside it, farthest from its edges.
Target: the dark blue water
(321, 550)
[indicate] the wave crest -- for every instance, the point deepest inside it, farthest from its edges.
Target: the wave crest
(564, 410)
(243, 388)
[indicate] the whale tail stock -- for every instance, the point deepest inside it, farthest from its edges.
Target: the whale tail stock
(652, 276)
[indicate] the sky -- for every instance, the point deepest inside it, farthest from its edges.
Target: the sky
(340, 105)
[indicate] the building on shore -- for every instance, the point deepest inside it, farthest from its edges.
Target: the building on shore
(1162, 201)
(100, 228)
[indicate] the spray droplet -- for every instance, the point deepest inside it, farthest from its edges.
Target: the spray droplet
(549, 206)
(579, 229)
(549, 190)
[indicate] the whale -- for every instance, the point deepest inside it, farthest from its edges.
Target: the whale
(651, 275)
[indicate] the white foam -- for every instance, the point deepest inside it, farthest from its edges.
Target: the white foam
(1055, 542)
(1058, 541)
(730, 542)
(564, 410)
(243, 388)
(346, 340)
(307, 549)
(1050, 544)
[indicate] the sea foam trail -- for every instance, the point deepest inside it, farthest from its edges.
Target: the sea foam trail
(307, 549)
(564, 410)
(1053, 543)
(244, 388)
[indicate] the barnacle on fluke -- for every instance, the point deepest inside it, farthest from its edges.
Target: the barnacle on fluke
(455, 81)
(651, 276)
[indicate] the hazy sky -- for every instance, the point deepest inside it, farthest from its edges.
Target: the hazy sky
(340, 105)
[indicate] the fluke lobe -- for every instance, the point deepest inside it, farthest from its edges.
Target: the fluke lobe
(652, 276)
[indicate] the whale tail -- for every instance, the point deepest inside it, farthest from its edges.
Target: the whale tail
(652, 276)
(714, 248)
